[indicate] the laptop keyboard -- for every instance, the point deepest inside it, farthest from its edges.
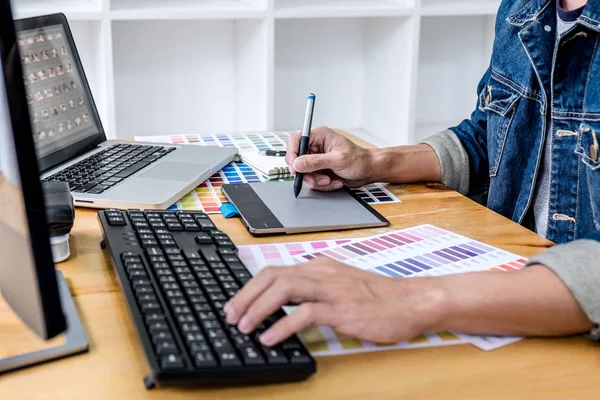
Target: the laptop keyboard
(109, 167)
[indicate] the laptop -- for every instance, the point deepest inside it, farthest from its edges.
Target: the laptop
(71, 143)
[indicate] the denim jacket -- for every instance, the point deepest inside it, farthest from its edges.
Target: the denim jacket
(534, 85)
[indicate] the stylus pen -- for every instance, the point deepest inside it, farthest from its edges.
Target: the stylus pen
(304, 141)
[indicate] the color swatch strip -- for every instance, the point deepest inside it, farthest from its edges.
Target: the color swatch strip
(208, 197)
(421, 251)
(244, 142)
(256, 257)
(323, 341)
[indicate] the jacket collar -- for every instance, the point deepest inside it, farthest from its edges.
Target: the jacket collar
(530, 12)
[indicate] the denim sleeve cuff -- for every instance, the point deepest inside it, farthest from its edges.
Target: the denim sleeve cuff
(454, 160)
(576, 264)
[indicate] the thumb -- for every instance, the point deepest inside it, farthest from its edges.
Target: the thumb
(315, 162)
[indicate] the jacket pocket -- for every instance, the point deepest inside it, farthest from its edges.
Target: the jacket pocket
(588, 149)
(500, 104)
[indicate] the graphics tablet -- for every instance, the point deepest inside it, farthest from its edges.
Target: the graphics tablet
(271, 209)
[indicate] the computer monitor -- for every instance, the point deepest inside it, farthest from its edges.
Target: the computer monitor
(28, 280)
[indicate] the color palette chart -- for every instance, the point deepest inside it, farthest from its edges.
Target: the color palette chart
(376, 194)
(426, 251)
(421, 251)
(208, 197)
(244, 142)
(256, 257)
(324, 341)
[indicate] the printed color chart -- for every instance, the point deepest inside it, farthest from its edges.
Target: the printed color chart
(324, 341)
(208, 197)
(256, 257)
(421, 251)
(245, 142)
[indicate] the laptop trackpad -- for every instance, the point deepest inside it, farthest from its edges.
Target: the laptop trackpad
(175, 171)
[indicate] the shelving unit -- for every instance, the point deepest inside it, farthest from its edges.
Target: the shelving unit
(390, 71)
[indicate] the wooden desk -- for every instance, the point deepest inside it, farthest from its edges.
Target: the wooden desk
(115, 366)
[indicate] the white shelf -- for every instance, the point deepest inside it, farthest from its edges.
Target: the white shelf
(195, 84)
(353, 65)
(459, 7)
(342, 8)
(424, 130)
(73, 9)
(454, 54)
(186, 9)
(393, 70)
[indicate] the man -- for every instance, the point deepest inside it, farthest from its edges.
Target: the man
(531, 144)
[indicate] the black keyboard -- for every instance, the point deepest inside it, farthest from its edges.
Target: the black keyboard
(109, 167)
(177, 271)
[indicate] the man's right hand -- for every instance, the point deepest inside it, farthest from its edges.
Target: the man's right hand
(333, 161)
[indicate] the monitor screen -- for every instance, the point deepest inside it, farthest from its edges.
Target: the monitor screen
(58, 105)
(27, 275)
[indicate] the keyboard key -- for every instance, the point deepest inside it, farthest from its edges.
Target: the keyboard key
(291, 344)
(191, 227)
(172, 362)
(157, 327)
(225, 243)
(84, 188)
(175, 227)
(206, 225)
(228, 254)
(251, 356)
(228, 359)
(204, 359)
(199, 347)
(166, 347)
(203, 238)
(274, 356)
(132, 169)
(139, 282)
(236, 267)
(298, 357)
(162, 336)
(148, 307)
(117, 221)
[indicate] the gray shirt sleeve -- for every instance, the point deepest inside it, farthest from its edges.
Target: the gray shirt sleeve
(454, 160)
(577, 265)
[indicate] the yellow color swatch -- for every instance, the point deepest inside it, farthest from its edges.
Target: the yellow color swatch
(419, 339)
(447, 336)
(349, 343)
(314, 340)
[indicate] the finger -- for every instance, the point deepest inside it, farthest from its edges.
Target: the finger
(292, 148)
(311, 182)
(317, 162)
(286, 289)
(322, 179)
(305, 316)
(239, 304)
(323, 265)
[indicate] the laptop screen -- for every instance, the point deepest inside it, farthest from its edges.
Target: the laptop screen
(58, 106)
